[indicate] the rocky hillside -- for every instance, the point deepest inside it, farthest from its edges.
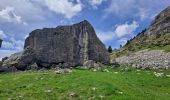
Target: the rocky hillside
(155, 37)
(63, 46)
(147, 59)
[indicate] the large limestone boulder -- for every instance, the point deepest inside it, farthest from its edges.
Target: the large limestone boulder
(68, 45)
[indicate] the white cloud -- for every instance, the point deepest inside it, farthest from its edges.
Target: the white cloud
(135, 8)
(2, 35)
(7, 45)
(121, 7)
(119, 33)
(96, 3)
(9, 42)
(143, 13)
(64, 7)
(13, 44)
(6, 53)
(9, 15)
(28, 10)
(122, 41)
(10, 45)
(105, 36)
(125, 29)
(18, 44)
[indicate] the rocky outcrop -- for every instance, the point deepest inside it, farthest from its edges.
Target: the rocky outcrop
(161, 23)
(67, 45)
(147, 59)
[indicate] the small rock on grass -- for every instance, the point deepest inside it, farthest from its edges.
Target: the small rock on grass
(106, 70)
(94, 70)
(101, 97)
(62, 71)
(116, 72)
(94, 88)
(120, 92)
(72, 94)
(48, 91)
(158, 74)
(168, 76)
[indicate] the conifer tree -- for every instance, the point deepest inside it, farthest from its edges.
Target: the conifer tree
(110, 49)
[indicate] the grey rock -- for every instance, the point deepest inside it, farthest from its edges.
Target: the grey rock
(7, 69)
(5, 58)
(91, 64)
(161, 23)
(12, 60)
(88, 64)
(72, 45)
(68, 46)
(147, 59)
(62, 71)
(33, 67)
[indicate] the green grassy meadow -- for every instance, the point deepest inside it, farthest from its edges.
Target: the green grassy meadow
(85, 85)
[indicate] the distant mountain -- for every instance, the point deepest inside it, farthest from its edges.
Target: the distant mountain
(157, 36)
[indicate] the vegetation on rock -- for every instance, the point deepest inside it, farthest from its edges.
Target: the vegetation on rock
(143, 41)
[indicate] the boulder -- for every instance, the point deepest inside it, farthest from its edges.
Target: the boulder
(72, 44)
(62, 71)
(69, 46)
(8, 69)
(33, 67)
(12, 60)
(5, 58)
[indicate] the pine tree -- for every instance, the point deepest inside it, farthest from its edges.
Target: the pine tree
(0, 43)
(110, 49)
(121, 46)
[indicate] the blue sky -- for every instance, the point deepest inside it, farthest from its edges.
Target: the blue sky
(115, 21)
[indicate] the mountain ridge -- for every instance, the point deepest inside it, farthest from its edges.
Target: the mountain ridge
(155, 37)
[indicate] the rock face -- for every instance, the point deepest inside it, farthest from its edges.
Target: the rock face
(147, 59)
(68, 45)
(161, 23)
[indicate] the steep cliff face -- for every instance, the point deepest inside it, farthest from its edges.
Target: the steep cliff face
(71, 45)
(161, 23)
